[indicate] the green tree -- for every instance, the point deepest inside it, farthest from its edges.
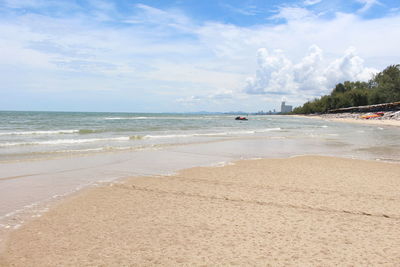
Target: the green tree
(384, 87)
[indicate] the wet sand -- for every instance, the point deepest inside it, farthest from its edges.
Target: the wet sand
(305, 210)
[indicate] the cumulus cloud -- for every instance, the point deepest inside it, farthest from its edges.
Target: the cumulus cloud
(274, 72)
(349, 67)
(312, 76)
(307, 73)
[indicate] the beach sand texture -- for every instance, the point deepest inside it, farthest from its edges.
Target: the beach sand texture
(355, 118)
(302, 211)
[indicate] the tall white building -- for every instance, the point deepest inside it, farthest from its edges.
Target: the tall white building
(285, 108)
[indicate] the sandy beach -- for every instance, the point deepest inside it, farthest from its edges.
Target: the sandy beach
(356, 118)
(306, 210)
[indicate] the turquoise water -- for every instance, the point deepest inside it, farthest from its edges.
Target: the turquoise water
(31, 135)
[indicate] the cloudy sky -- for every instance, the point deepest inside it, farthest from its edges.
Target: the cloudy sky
(188, 55)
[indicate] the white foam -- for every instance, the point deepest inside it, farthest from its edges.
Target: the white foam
(65, 141)
(223, 164)
(128, 118)
(168, 136)
(212, 134)
(40, 132)
(268, 130)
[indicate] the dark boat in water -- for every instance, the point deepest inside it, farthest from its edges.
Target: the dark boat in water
(241, 118)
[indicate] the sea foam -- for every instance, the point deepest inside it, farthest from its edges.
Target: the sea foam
(228, 133)
(40, 132)
(65, 141)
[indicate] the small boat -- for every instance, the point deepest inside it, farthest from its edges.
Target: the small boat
(369, 116)
(375, 115)
(241, 118)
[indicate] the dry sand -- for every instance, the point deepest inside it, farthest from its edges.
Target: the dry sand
(353, 118)
(303, 211)
(364, 121)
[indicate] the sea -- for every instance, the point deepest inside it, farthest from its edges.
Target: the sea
(45, 156)
(35, 135)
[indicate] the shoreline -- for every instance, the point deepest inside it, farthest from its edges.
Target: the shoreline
(298, 210)
(28, 186)
(352, 118)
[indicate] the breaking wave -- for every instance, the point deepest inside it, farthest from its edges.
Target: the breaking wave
(64, 141)
(41, 132)
(213, 134)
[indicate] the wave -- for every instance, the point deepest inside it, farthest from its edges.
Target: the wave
(168, 136)
(212, 134)
(162, 118)
(130, 118)
(65, 141)
(268, 130)
(41, 132)
(90, 131)
(97, 149)
(54, 132)
(136, 137)
(123, 138)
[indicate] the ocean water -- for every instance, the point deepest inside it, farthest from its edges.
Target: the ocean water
(35, 135)
(27, 135)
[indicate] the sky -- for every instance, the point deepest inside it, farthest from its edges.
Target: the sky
(188, 55)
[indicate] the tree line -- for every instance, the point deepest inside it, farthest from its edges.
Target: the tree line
(384, 87)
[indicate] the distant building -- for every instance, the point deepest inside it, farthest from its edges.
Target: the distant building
(285, 108)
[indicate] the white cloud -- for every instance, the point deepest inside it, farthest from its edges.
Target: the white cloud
(307, 73)
(290, 13)
(367, 5)
(311, 2)
(247, 10)
(164, 19)
(191, 100)
(349, 67)
(22, 3)
(276, 74)
(41, 4)
(223, 95)
(395, 9)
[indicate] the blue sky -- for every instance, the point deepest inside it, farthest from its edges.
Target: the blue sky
(177, 56)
